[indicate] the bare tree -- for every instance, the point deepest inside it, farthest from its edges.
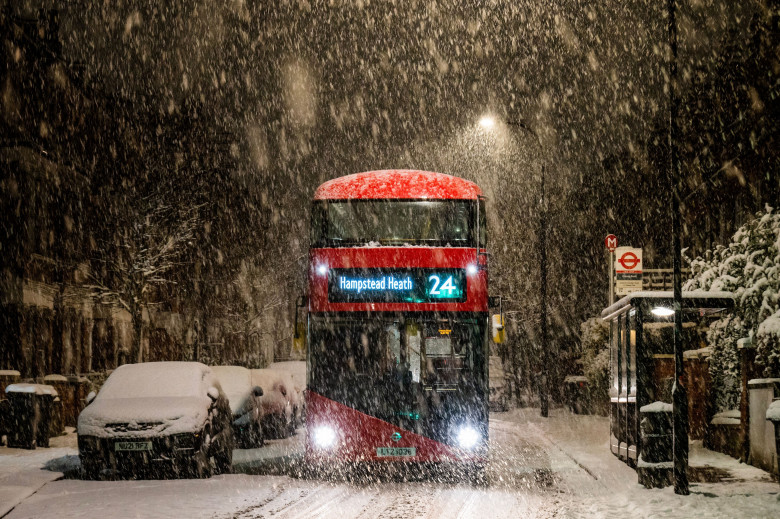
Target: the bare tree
(140, 260)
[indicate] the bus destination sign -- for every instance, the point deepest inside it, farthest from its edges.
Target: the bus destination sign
(396, 285)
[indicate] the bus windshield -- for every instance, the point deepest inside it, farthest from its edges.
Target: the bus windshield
(394, 222)
(399, 370)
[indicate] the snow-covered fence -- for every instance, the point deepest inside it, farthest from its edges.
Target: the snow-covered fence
(763, 450)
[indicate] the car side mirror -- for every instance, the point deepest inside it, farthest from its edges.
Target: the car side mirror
(213, 393)
(90, 397)
(257, 391)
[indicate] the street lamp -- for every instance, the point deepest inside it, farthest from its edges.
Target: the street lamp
(679, 393)
(488, 122)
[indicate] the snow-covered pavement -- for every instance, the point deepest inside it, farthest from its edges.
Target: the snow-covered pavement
(23, 472)
(555, 467)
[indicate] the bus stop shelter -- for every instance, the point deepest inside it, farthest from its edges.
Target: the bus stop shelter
(642, 362)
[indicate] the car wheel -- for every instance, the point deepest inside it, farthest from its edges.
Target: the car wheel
(200, 466)
(90, 470)
(478, 475)
(224, 460)
(255, 439)
(200, 463)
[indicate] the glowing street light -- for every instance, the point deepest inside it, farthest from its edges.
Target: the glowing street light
(487, 122)
(662, 311)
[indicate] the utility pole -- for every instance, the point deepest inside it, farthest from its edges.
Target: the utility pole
(544, 389)
(542, 360)
(679, 393)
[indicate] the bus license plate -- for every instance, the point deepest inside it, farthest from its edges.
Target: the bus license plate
(386, 452)
(133, 446)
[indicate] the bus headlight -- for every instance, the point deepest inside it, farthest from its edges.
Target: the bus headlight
(324, 437)
(468, 437)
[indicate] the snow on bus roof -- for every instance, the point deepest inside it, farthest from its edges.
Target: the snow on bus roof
(665, 294)
(397, 183)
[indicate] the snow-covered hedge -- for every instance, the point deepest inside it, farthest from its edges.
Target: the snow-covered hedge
(595, 360)
(750, 268)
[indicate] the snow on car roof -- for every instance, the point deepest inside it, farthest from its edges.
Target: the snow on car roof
(38, 389)
(296, 368)
(233, 379)
(267, 378)
(156, 379)
(236, 382)
(398, 184)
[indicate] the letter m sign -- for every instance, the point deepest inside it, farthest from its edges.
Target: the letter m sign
(611, 242)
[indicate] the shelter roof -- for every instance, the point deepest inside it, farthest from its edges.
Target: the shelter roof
(700, 299)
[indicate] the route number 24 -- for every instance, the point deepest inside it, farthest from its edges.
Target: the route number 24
(437, 290)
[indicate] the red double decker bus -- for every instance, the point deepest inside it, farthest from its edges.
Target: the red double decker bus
(398, 320)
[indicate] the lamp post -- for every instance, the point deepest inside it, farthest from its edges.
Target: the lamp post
(679, 393)
(488, 123)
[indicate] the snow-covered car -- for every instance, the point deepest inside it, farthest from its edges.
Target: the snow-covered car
(157, 416)
(297, 371)
(244, 398)
(277, 402)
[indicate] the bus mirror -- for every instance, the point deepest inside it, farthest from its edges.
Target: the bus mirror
(499, 333)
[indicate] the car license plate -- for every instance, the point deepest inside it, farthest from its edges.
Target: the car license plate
(387, 452)
(133, 446)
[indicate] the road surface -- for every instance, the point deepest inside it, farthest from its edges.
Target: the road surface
(559, 467)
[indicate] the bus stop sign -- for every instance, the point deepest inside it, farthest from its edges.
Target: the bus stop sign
(611, 242)
(628, 270)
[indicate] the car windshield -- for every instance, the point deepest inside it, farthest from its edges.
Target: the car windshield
(153, 380)
(394, 222)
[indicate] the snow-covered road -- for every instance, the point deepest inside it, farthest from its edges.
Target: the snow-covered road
(556, 468)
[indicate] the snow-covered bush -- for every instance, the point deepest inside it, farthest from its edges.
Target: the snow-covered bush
(724, 361)
(750, 268)
(595, 360)
(768, 345)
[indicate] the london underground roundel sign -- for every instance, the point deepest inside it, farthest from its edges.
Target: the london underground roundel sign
(629, 260)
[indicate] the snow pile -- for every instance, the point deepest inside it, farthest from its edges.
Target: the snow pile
(656, 407)
(750, 268)
(730, 417)
(773, 413)
(55, 378)
(38, 389)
